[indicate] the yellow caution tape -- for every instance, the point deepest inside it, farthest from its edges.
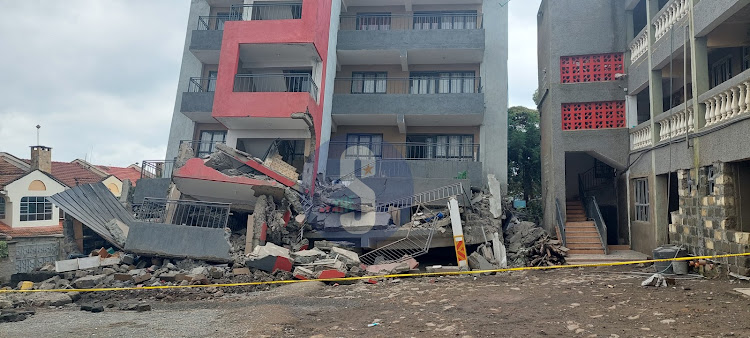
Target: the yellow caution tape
(421, 274)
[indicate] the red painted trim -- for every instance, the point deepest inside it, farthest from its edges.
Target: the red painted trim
(196, 169)
(263, 233)
(270, 173)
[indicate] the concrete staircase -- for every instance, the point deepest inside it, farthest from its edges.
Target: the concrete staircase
(581, 234)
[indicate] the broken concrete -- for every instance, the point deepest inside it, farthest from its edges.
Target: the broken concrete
(177, 241)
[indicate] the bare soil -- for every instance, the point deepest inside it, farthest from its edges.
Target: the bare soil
(590, 302)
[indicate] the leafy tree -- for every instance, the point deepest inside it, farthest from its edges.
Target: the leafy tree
(524, 153)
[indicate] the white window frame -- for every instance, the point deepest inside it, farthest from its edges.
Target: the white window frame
(29, 209)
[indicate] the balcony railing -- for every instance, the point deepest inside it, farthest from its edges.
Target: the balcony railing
(212, 22)
(675, 123)
(639, 47)
(411, 85)
(183, 212)
(284, 83)
(418, 21)
(202, 84)
(202, 149)
(157, 169)
(406, 151)
(670, 15)
(266, 11)
(728, 101)
(641, 136)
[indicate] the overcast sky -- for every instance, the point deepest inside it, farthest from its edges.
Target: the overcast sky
(100, 76)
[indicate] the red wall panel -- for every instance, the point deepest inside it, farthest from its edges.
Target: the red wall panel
(590, 68)
(593, 115)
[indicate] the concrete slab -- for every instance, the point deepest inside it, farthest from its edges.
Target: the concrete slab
(178, 241)
(109, 261)
(743, 291)
(66, 265)
(88, 263)
(613, 257)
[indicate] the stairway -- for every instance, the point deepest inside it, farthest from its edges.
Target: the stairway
(581, 235)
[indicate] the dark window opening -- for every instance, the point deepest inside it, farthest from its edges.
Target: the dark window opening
(364, 145)
(742, 179)
(374, 21)
(442, 82)
(455, 147)
(445, 20)
(642, 204)
(369, 82)
(208, 141)
(35, 209)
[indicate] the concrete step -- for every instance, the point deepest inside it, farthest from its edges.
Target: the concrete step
(580, 224)
(591, 246)
(586, 252)
(583, 240)
(620, 247)
(577, 219)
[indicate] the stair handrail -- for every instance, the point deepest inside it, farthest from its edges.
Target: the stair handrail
(591, 208)
(589, 180)
(560, 222)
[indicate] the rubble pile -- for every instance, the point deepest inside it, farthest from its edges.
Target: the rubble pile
(530, 245)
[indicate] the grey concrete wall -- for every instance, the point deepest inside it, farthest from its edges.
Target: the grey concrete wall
(151, 187)
(608, 145)
(8, 265)
(414, 39)
(725, 143)
(568, 28)
(638, 76)
(332, 61)
(197, 102)
(494, 70)
(714, 12)
(206, 40)
(168, 240)
(181, 126)
(410, 104)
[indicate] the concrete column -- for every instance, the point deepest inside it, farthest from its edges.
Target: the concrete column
(330, 77)
(699, 67)
(494, 77)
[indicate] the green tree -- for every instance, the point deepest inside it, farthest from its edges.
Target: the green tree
(524, 153)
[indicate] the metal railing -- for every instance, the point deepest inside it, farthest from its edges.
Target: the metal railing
(417, 21)
(266, 11)
(183, 212)
(212, 22)
(589, 180)
(393, 168)
(412, 85)
(560, 222)
(591, 208)
(284, 83)
(202, 149)
(157, 168)
(405, 151)
(201, 84)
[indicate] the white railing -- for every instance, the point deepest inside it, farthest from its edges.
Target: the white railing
(733, 102)
(639, 47)
(677, 123)
(641, 137)
(670, 15)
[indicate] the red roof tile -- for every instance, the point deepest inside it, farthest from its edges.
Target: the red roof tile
(31, 231)
(122, 174)
(72, 174)
(9, 172)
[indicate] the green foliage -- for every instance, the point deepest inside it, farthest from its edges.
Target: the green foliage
(3, 249)
(524, 154)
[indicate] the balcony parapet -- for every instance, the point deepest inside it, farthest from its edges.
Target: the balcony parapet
(670, 15)
(677, 122)
(728, 101)
(641, 136)
(639, 46)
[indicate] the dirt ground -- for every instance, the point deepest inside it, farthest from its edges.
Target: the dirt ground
(589, 302)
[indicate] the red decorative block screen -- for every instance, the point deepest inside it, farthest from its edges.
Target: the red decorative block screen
(590, 68)
(593, 115)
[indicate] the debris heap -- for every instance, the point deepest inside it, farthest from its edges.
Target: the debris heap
(530, 245)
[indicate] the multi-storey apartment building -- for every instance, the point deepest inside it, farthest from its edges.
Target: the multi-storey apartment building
(419, 82)
(645, 108)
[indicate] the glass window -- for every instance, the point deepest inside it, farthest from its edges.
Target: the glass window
(710, 180)
(364, 145)
(454, 147)
(369, 82)
(641, 200)
(212, 80)
(221, 18)
(445, 20)
(208, 141)
(442, 82)
(2, 207)
(35, 209)
(373, 21)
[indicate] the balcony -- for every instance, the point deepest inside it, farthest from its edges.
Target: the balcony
(422, 38)
(669, 16)
(408, 160)
(414, 101)
(728, 102)
(197, 103)
(206, 39)
(275, 83)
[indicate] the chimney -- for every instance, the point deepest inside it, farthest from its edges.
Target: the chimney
(41, 158)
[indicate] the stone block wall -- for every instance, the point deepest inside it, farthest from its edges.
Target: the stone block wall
(706, 223)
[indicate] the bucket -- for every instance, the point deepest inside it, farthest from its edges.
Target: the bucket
(670, 267)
